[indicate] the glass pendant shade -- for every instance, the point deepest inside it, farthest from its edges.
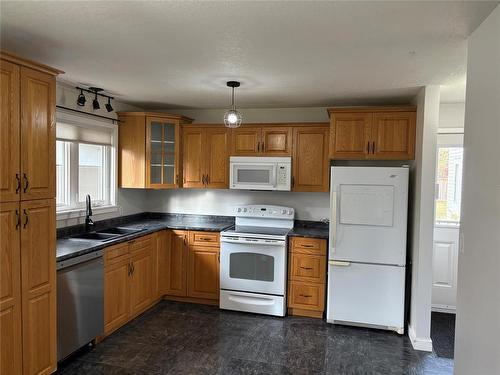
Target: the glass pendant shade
(232, 118)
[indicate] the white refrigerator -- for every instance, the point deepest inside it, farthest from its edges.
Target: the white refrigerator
(367, 249)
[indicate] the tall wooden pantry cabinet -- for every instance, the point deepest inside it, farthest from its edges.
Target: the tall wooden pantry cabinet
(27, 217)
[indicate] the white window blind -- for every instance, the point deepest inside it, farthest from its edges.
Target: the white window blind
(84, 134)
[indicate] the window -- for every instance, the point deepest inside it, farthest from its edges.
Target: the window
(85, 163)
(448, 185)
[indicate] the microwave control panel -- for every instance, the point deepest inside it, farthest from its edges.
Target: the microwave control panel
(282, 178)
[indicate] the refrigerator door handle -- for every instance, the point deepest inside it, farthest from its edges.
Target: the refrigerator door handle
(333, 221)
(339, 263)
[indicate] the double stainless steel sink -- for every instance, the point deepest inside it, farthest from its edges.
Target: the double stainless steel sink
(106, 234)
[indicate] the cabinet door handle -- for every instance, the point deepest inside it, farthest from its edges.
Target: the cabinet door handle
(133, 268)
(18, 179)
(177, 180)
(184, 241)
(26, 218)
(293, 181)
(208, 179)
(306, 295)
(368, 147)
(18, 220)
(306, 268)
(263, 146)
(26, 183)
(258, 146)
(373, 147)
(129, 269)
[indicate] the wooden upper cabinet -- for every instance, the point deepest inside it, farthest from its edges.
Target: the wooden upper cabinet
(269, 140)
(246, 141)
(10, 175)
(38, 134)
(38, 285)
(10, 290)
(205, 157)
(216, 158)
(149, 150)
(276, 141)
(177, 263)
(310, 159)
(393, 135)
(193, 162)
(350, 134)
(382, 133)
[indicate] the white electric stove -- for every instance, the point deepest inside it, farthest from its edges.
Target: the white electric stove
(253, 260)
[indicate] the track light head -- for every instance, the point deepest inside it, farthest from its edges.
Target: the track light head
(81, 99)
(95, 102)
(109, 108)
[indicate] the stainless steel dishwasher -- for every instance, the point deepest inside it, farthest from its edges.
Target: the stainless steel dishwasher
(80, 302)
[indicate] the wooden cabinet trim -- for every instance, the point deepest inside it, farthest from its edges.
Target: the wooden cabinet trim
(372, 109)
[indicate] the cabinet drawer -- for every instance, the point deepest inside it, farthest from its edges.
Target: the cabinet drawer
(140, 243)
(305, 267)
(204, 238)
(313, 246)
(115, 254)
(306, 296)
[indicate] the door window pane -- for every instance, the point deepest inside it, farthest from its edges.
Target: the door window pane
(251, 266)
(448, 184)
(91, 172)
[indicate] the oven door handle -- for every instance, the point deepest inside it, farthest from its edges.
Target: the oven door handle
(255, 242)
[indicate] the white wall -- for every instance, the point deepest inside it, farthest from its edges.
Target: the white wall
(421, 221)
(130, 202)
(252, 115)
(451, 115)
(477, 344)
(308, 206)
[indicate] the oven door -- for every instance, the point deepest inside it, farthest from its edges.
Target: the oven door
(253, 265)
(254, 176)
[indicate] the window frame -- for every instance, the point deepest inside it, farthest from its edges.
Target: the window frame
(76, 209)
(448, 138)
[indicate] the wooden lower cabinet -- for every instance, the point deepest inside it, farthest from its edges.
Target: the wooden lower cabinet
(203, 272)
(116, 294)
(161, 274)
(193, 266)
(129, 281)
(10, 290)
(307, 277)
(176, 264)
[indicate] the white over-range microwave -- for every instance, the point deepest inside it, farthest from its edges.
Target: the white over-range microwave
(260, 173)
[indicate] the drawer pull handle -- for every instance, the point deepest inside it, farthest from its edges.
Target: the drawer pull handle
(306, 245)
(205, 239)
(306, 295)
(306, 268)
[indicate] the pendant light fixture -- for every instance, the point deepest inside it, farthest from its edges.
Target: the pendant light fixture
(232, 118)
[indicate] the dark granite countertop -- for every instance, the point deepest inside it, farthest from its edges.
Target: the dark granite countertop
(68, 247)
(311, 229)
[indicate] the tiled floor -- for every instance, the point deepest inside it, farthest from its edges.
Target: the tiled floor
(443, 334)
(176, 338)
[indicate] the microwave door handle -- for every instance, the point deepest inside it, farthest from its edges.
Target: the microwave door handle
(275, 175)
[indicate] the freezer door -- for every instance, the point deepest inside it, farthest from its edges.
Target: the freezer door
(366, 294)
(369, 215)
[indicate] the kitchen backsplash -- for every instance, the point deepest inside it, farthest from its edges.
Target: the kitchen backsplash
(308, 206)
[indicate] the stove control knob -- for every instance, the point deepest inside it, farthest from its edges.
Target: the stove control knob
(283, 212)
(239, 209)
(244, 210)
(290, 212)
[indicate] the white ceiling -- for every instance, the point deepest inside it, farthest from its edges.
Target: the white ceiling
(286, 54)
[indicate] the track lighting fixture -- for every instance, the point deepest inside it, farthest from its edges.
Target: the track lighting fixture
(95, 103)
(232, 118)
(81, 99)
(109, 108)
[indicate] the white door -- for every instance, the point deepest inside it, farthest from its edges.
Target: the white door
(447, 220)
(367, 294)
(369, 215)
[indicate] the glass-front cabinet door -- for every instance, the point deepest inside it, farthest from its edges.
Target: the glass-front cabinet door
(162, 152)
